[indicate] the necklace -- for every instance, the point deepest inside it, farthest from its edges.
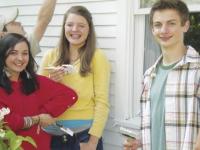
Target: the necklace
(72, 61)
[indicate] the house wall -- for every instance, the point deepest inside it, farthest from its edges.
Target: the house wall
(107, 20)
(120, 28)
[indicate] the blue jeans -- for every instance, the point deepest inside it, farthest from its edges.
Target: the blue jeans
(67, 142)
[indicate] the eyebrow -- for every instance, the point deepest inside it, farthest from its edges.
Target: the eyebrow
(166, 21)
(25, 50)
(79, 23)
(171, 20)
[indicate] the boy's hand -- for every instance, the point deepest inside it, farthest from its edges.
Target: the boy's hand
(197, 146)
(131, 144)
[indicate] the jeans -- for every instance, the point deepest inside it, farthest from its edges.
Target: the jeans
(67, 142)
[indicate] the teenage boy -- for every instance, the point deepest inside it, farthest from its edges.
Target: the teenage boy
(9, 25)
(170, 107)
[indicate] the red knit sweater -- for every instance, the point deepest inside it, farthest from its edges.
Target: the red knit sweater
(52, 98)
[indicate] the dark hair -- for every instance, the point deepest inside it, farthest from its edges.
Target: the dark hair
(29, 85)
(5, 29)
(177, 5)
(86, 52)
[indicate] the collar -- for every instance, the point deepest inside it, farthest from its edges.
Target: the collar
(191, 56)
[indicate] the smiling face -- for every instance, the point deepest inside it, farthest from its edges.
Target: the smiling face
(76, 30)
(167, 28)
(17, 59)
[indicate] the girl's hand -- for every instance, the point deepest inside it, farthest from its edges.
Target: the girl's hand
(56, 73)
(46, 119)
(91, 144)
(87, 146)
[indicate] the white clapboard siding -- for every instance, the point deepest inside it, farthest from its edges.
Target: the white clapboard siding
(105, 17)
(99, 19)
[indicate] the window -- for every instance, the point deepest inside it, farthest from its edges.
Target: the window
(148, 3)
(151, 48)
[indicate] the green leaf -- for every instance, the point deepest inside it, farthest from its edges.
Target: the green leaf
(15, 141)
(9, 134)
(30, 140)
(3, 146)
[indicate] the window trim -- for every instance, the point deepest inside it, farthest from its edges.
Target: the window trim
(124, 79)
(129, 76)
(138, 10)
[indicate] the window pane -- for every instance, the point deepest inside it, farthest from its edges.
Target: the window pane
(192, 1)
(146, 3)
(151, 48)
(149, 3)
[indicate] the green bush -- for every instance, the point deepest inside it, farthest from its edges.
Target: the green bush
(192, 37)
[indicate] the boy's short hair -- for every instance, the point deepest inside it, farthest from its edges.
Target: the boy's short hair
(177, 5)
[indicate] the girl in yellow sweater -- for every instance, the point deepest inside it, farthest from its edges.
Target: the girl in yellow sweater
(89, 77)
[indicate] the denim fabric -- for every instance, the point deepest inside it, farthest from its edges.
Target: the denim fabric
(67, 142)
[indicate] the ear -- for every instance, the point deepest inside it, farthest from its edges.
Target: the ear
(186, 26)
(152, 30)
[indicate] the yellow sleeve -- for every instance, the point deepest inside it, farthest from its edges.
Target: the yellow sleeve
(48, 60)
(101, 73)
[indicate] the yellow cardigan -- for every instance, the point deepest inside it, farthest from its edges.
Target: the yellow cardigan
(92, 90)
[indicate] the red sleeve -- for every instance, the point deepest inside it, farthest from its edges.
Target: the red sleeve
(13, 120)
(58, 97)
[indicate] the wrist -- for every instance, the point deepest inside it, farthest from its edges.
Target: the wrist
(35, 119)
(93, 140)
(28, 122)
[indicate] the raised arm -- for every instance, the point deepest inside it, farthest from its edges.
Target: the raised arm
(44, 17)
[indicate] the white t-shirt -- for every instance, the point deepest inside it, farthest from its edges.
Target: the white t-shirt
(35, 47)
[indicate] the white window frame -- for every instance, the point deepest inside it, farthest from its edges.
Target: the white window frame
(138, 10)
(130, 54)
(125, 106)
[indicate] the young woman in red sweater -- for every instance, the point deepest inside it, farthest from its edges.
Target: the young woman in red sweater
(32, 99)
